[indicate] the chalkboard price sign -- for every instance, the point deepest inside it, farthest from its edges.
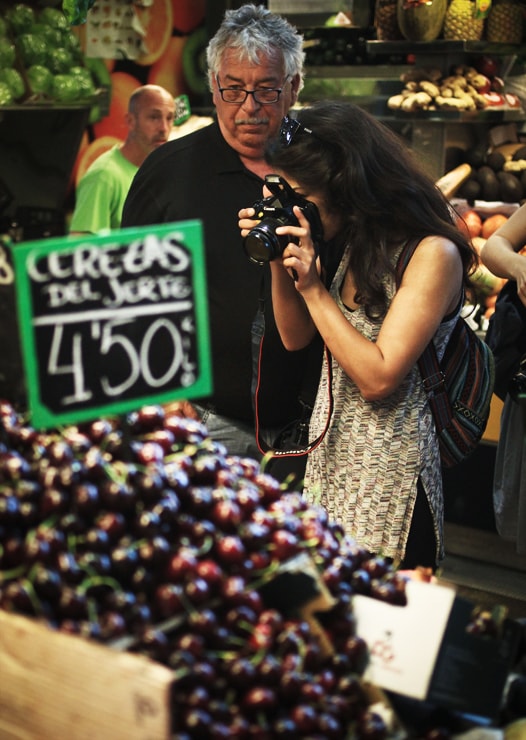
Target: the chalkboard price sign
(113, 321)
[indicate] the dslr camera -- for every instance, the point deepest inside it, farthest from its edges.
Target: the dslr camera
(262, 244)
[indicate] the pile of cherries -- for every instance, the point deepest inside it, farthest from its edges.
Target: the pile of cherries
(143, 532)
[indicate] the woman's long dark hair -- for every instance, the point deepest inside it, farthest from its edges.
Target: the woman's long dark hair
(369, 176)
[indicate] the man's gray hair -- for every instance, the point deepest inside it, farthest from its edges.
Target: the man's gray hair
(254, 31)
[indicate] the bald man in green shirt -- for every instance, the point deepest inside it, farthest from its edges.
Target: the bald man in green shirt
(101, 192)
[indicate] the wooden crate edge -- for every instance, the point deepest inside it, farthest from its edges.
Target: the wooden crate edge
(59, 685)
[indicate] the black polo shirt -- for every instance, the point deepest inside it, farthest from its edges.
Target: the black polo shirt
(199, 176)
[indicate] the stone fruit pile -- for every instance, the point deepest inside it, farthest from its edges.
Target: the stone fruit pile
(497, 175)
(41, 59)
(143, 532)
(478, 227)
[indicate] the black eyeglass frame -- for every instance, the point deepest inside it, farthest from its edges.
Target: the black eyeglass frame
(290, 128)
(254, 93)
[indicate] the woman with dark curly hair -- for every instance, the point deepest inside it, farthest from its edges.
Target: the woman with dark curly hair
(377, 469)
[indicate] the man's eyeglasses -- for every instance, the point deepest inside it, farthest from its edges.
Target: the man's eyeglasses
(262, 95)
(289, 129)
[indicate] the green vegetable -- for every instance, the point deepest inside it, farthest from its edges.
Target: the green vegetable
(32, 49)
(3, 27)
(52, 36)
(6, 96)
(81, 73)
(40, 79)
(13, 79)
(99, 71)
(60, 61)
(20, 18)
(86, 86)
(54, 18)
(76, 11)
(7, 52)
(65, 88)
(71, 42)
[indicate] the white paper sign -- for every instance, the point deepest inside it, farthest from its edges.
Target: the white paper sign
(404, 640)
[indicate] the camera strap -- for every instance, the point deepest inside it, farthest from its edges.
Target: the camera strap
(300, 449)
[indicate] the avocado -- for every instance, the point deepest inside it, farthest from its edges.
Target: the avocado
(510, 187)
(470, 190)
(519, 154)
(476, 156)
(496, 161)
(489, 184)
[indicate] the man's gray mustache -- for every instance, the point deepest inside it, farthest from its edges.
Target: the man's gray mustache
(251, 121)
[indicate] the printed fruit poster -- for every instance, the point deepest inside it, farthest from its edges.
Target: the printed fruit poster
(133, 43)
(114, 30)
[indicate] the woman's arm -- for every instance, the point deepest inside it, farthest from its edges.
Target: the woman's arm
(293, 320)
(431, 287)
(499, 253)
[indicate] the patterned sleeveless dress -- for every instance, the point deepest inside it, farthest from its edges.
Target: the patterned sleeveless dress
(365, 471)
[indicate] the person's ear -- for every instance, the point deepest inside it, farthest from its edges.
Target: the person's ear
(294, 88)
(214, 88)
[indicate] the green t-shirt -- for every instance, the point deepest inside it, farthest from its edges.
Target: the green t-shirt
(101, 192)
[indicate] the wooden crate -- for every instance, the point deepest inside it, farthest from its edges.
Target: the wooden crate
(54, 685)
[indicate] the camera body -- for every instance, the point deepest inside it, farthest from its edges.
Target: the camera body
(262, 244)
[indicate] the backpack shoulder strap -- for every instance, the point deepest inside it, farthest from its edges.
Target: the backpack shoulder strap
(404, 257)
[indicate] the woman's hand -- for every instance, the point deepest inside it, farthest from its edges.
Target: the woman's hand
(300, 257)
(246, 220)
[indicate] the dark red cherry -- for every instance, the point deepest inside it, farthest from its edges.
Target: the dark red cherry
(230, 549)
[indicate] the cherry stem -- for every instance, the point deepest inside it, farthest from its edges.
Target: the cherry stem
(207, 545)
(267, 574)
(117, 471)
(48, 523)
(99, 581)
(35, 601)
(92, 611)
(181, 454)
(11, 574)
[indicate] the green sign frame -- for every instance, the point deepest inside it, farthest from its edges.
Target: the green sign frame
(113, 321)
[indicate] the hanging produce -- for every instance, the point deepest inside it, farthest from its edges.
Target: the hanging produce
(76, 11)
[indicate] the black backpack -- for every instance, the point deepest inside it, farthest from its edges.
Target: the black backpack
(459, 387)
(506, 335)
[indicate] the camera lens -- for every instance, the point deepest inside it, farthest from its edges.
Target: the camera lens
(262, 244)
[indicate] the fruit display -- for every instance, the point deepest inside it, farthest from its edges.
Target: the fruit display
(479, 223)
(41, 60)
(421, 21)
(461, 21)
(498, 174)
(505, 22)
(142, 534)
(146, 531)
(386, 21)
(501, 21)
(428, 89)
(465, 88)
